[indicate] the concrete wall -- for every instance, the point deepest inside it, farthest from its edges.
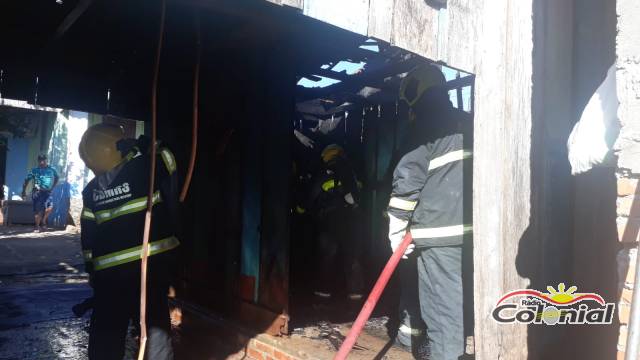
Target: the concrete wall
(628, 150)
(628, 78)
(23, 152)
(17, 165)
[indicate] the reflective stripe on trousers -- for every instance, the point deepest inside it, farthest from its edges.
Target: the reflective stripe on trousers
(134, 253)
(410, 331)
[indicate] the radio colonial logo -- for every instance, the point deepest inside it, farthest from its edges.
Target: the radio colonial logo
(557, 307)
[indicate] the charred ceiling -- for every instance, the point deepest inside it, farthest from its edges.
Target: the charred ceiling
(97, 55)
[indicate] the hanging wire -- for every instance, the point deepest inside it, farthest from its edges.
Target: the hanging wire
(108, 100)
(35, 96)
(1, 81)
(346, 116)
(196, 96)
(152, 173)
(362, 126)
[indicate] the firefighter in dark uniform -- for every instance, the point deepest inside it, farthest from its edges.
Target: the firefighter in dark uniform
(410, 329)
(430, 198)
(112, 220)
(334, 200)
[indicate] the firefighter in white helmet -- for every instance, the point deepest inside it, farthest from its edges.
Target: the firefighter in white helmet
(431, 199)
(113, 217)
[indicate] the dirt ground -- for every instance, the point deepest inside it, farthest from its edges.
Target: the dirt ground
(42, 276)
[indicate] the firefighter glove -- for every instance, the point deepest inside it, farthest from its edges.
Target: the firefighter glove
(397, 230)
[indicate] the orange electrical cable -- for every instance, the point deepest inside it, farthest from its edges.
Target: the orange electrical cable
(194, 132)
(152, 175)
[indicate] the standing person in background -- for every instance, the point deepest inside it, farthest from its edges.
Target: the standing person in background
(45, 178)
(334, 201)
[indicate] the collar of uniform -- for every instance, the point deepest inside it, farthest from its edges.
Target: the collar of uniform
(107, 178)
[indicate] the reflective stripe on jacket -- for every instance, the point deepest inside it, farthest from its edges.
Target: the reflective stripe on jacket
(113, 216)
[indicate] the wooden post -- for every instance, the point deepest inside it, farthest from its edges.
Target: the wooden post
(502, 173)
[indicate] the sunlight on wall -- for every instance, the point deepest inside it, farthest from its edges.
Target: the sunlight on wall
(64, 156)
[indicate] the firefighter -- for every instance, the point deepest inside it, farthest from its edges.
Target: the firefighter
(302, 228)
(410, 330)
(112, 220)
(430, 195)
(334, 199)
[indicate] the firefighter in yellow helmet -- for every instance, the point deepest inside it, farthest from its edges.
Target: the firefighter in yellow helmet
(422, 79)
(98, 147)
(411, 332)
(334, 201)
(430, 197)
(332, 153)
(112, 220)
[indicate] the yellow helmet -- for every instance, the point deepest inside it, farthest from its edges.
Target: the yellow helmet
(419, 80)
(331, 152)
(98, 147)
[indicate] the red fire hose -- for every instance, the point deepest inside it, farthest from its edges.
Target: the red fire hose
(373, 298)
(152, 171)
(194, 131)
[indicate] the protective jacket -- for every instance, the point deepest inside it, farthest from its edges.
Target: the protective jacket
(431, 192)
(335, 187)
(114, 212)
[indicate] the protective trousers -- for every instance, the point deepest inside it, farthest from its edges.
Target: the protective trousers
(116, 304)
(441, 300)
(412, 329)
(336, 241)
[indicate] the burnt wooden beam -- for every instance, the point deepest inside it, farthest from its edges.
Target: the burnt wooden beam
(460, 82)
(71, 18)
(383, 87)
(355, 83)
(342, 76)
(337, 53)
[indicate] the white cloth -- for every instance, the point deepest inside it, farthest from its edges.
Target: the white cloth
(349, 199)
(593, 136)
(397, 230)
(304, 140)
